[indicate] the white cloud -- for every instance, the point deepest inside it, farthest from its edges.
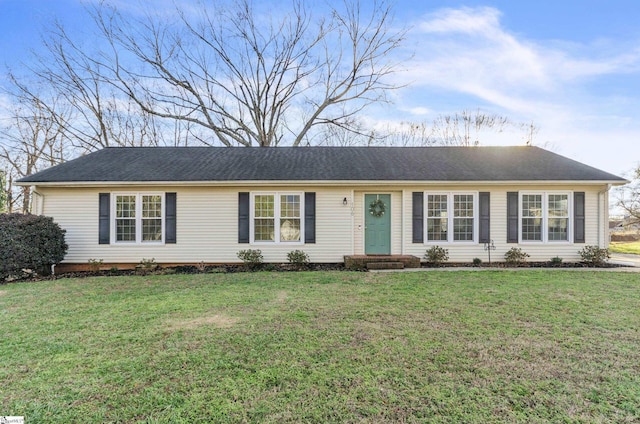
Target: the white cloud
(469, 51)
(466, 59)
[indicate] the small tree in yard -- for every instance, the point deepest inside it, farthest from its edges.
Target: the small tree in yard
(29, 242)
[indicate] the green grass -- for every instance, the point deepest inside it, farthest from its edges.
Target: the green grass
(489, 346)
(625, 247)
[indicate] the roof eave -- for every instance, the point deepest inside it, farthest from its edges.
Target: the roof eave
(349, 183)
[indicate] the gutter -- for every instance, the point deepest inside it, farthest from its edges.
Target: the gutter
(332, 183)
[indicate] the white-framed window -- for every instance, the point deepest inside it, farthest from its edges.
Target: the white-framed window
(451, 217)
(276, 217)
(545, 217)
(138, 217)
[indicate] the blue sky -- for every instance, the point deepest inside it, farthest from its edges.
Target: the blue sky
(571, 67)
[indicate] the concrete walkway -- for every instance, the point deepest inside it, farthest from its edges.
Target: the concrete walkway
(625, 259)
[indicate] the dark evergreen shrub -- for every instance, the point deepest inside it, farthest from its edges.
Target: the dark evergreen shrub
(29, 242)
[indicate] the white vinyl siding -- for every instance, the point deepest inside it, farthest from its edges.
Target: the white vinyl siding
(206, 227)
(207, 223)
(596, 227)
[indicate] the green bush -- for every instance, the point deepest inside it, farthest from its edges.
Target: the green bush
(29, 242)
(147, 266)
(436, 255)
(515, 256)
(252, 258)
(95, 264)
(556, 261)
(594, 255)
(298, 258)
(477, 261)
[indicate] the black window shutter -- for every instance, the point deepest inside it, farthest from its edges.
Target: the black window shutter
(309, 217)
(243, 217)
(170, 217)
(104, 209)
(418, 217)
(578, 217)
(512, 217)
(485, 222)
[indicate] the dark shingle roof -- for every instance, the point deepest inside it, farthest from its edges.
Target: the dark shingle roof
(192, 164)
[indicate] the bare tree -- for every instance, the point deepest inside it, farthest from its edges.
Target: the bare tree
(463, 129)
(460, 129)
(629, 197)
(249, 78)
(91, 112)
(32, 140)
(4, 192)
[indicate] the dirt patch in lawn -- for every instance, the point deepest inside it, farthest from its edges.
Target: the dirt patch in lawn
(282, 296)
(3, 292)
(217, 321)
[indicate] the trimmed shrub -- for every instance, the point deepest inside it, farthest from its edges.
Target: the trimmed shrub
(594, 255)
(29, 242)
(556, 261)
(436, 255)
(298, 258)
(252, 258)
(477, 261)
(146, 266)
(515, 256)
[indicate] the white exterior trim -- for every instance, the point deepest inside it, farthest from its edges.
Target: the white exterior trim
(113, 218)
(545, 217)
(450, 218)
(276, 217)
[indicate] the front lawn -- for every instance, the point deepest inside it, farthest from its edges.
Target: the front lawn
(488, 346)
(625, 247)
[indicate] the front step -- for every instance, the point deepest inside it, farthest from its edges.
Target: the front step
(385, 265)
(363, 261)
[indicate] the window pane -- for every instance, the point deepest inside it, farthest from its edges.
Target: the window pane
(264, 206)
(532, 217)
(264, 230)
(558, 229)
(152, 230)
(532, 229)
(463, 229)
(463, 217)
(437, 222)
(290, 206)
(290, 230)
(125, 230)
(125, 206)
(152, 206)
(559, 205)
(532, 205)
(463, 205)
(437, 205)
(437, 229)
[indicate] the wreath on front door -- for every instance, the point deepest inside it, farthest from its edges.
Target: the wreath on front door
(377, 208)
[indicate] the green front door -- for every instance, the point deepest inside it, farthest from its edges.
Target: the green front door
(377, 224)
